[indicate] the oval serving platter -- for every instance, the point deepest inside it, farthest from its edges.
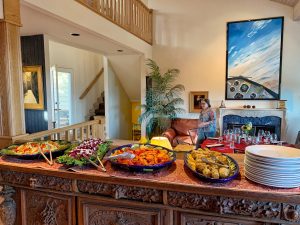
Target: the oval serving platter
(64, 145)
(213, 180)
(138, 168)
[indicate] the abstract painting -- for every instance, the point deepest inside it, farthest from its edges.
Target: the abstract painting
(33, 87)
(254, 59)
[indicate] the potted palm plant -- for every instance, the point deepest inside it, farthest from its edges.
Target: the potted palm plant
(163, 99)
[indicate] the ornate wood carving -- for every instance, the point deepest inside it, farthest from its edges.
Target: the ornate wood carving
(105, 217)
(7, 206)
(192, 219)
(121, 191)
(193, 201)
(256, 209)
(37, 181)
(241, 207)
(117, 214)
(291, 212)
(41, 209)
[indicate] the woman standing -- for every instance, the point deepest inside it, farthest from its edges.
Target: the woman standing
(207, 122)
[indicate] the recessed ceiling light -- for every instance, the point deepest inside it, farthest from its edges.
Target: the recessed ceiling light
(75, 34)
(120, 50)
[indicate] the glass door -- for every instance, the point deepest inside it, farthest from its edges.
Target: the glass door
(62, 97)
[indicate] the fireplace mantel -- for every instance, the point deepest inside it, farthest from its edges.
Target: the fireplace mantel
(256, 112)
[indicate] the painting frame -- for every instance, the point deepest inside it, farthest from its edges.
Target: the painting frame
(275, 95)
(194, 107)
(38, 92)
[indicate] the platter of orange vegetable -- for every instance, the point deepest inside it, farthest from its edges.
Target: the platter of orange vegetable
(147, 157)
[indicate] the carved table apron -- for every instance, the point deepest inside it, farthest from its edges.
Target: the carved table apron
(37, 194)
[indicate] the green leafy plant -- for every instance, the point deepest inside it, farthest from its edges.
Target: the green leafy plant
(163, 99)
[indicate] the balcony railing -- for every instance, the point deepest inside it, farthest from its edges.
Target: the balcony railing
(80, 131)
(131, 15)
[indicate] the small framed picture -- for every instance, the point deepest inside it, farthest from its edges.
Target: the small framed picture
(195, 100)
(33, 87)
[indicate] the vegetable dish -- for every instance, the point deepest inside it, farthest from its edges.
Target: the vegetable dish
(211, 164)
(145, 155)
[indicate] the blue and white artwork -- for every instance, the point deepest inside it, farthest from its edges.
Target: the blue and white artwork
(254, 59)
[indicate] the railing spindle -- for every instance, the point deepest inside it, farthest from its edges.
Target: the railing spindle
(67, 135)
(132, 15)
(88, 132)
(82, 133)
(75, 135)
(94, 135)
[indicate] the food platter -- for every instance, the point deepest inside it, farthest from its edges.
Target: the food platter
(88, 152)
(274, 153)
(140, 151)
(216, 170)
(30, 150)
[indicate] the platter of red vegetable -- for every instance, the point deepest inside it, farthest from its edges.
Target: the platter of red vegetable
(87, 152)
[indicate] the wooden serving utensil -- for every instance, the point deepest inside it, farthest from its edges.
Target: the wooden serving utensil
(99, 160)
(50, 162)
(94, 164)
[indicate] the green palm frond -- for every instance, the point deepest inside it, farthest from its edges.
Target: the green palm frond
(162, 99)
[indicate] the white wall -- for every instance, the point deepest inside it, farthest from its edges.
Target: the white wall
(85, 65)
(1, 9)
(191, 36)
(117, 106)
(145, 2)
(128, 70)
(297, 11)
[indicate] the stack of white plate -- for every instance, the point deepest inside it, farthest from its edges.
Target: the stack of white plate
(273, 165)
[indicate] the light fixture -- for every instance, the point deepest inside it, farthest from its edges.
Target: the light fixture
(75, 34)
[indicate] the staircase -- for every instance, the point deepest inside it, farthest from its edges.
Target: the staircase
(100, 111)
(98, 108)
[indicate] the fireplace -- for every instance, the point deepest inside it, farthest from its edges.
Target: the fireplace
(266, 123)
(273, 120)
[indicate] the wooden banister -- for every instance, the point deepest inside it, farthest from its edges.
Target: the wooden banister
(93, 82)
(78, 131)
(132, 15)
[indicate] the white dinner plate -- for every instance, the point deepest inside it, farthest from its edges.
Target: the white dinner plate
(273, 179)
(274, 152)
(283, 168)
(279, 184)
(272, 161)
(272, 175)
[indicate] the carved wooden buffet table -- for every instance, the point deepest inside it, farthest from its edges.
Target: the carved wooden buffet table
(44, 195)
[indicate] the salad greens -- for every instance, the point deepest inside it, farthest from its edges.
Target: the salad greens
(87, 150)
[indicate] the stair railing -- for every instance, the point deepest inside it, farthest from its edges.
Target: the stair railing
(90, 86)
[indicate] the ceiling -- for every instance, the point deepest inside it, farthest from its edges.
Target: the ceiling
(126, 63)
(287, 2)
(37, 22)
